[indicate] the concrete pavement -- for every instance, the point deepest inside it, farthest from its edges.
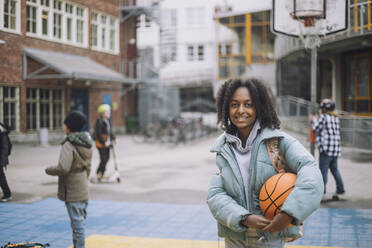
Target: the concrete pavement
(161, 200)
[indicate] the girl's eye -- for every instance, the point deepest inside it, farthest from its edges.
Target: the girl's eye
(249, 105)
(233, 105)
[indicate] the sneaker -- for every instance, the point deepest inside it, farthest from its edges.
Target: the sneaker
(340, 192)
(5, 198)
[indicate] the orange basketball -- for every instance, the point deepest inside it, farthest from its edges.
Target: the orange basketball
(274, 192)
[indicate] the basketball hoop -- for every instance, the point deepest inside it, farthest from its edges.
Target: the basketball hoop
(309, 20)
(307, 13)
(309, 32)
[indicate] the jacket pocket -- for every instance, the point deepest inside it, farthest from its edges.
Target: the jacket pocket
(263, 172)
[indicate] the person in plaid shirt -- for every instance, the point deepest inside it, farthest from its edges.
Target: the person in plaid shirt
(327, 129)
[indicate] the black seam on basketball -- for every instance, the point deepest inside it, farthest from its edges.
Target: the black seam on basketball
(277, 208)
(273, 202)
(269, 195)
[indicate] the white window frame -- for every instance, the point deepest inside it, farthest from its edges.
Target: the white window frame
(10, 100)
(68, 16)
(95, 24)
(58, 26)
(200, 52)
(17, 28)
(80, 19)
(50, 101)
(64, 20)
(143, 21)
(190, 53)
(193, 52)
(105, 25)
(33, 4)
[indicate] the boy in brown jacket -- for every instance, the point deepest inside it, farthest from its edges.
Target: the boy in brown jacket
(73, 170)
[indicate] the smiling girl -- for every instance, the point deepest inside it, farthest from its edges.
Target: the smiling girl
(247, 115)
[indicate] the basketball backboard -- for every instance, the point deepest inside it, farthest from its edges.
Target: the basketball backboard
(336, 19)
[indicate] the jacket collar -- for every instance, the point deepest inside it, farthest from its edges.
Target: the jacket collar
(265, 133)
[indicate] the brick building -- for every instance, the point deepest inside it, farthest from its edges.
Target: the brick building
(58, 56)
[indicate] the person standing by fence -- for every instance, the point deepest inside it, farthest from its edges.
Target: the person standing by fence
(327, 129)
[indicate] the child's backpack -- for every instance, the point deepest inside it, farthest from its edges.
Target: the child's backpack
(25, 245)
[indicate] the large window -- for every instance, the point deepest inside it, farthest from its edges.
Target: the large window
(9, 106)
(31, 12)
(168, 53)
(69, 21)
(57, 20)
(357, 84)
(104, 32)
(10, 15)
(44, 108)
(262, 40)
(143, 21)
(79, 25)
(195, 53)
(232, 52)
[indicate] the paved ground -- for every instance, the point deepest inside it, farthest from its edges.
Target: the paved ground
(161, 201)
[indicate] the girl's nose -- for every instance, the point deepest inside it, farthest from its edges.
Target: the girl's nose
(241, 108)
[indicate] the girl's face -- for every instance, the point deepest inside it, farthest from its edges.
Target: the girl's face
(106, 114)
(242, 111)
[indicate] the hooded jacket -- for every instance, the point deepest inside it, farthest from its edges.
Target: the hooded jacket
(73, 167)
(226, 196)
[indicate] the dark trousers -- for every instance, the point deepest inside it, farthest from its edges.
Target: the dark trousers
(104, 155)
(3, 183)
(328, 162)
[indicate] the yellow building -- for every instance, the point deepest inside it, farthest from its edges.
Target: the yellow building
(245, 46)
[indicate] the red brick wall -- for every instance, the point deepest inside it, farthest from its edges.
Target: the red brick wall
(95, 93)
(11, 62)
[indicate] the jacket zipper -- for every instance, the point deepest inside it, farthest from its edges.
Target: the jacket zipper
(225, 155)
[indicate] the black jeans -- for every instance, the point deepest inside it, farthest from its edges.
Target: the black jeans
(104, 155)
(3, 183)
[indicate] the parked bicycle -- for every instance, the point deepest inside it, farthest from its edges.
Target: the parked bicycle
(174, 131)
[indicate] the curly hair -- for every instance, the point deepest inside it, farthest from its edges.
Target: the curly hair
(262, 101)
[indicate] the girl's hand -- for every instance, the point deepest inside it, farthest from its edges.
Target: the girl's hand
(256, 221)
(279, 223)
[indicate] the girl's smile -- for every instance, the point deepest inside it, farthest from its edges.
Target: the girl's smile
(242, 111)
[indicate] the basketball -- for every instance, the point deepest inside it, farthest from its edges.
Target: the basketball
(274, 192)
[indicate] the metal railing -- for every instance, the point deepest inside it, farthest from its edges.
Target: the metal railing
(294, 113)
(360, 23)
(138, 3)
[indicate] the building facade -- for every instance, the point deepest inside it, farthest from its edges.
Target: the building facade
(246, 45)
(343, 64)
(181, 46)
(58, 56)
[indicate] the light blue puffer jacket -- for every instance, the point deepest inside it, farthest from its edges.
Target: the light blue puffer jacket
(226, 196)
